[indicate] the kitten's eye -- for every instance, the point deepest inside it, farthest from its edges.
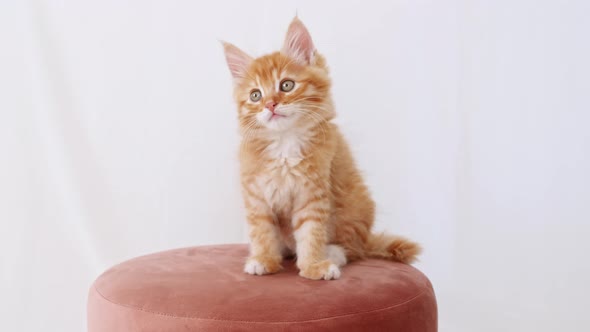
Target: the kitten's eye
(255, 95)
(287, 85)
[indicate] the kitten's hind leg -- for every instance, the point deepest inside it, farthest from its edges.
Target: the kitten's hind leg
(336, 254)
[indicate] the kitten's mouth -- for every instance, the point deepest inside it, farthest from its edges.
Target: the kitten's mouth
(276, 116)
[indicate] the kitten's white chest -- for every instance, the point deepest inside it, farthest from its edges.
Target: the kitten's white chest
(279, 185)
(286, 146)
(281, 178)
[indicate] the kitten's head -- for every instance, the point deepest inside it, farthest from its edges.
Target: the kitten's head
(283, 90)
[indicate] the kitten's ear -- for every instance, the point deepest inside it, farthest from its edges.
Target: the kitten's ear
(298, 44)
(237, 60)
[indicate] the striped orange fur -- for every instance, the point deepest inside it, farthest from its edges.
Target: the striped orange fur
(302, 190)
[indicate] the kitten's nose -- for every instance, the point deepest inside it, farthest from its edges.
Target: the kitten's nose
(271, 106)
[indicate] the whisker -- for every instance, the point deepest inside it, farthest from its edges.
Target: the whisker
(319, 121)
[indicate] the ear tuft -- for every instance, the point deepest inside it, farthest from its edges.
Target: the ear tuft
(298, 44)
(237, 60)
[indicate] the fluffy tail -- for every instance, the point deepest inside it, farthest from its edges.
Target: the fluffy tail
(392, 247)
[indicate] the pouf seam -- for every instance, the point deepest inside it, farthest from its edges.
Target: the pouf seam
(259, 322)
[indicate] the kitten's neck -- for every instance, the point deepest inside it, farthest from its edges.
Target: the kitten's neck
(288, 144)
(294, 143)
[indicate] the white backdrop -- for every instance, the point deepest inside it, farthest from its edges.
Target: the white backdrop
(470, 120)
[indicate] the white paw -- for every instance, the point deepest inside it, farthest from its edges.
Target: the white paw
(332, 273)
(254, 267)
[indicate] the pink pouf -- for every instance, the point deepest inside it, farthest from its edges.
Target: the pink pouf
(205, 289)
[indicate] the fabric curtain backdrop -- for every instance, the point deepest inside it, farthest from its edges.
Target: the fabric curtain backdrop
(469, 119)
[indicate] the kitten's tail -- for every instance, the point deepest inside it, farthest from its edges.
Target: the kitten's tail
(392, 247)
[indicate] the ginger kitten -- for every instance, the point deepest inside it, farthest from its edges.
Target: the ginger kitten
(302, 190)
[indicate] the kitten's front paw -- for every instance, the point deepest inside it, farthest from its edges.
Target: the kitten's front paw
(260, 265)
(323, 270)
